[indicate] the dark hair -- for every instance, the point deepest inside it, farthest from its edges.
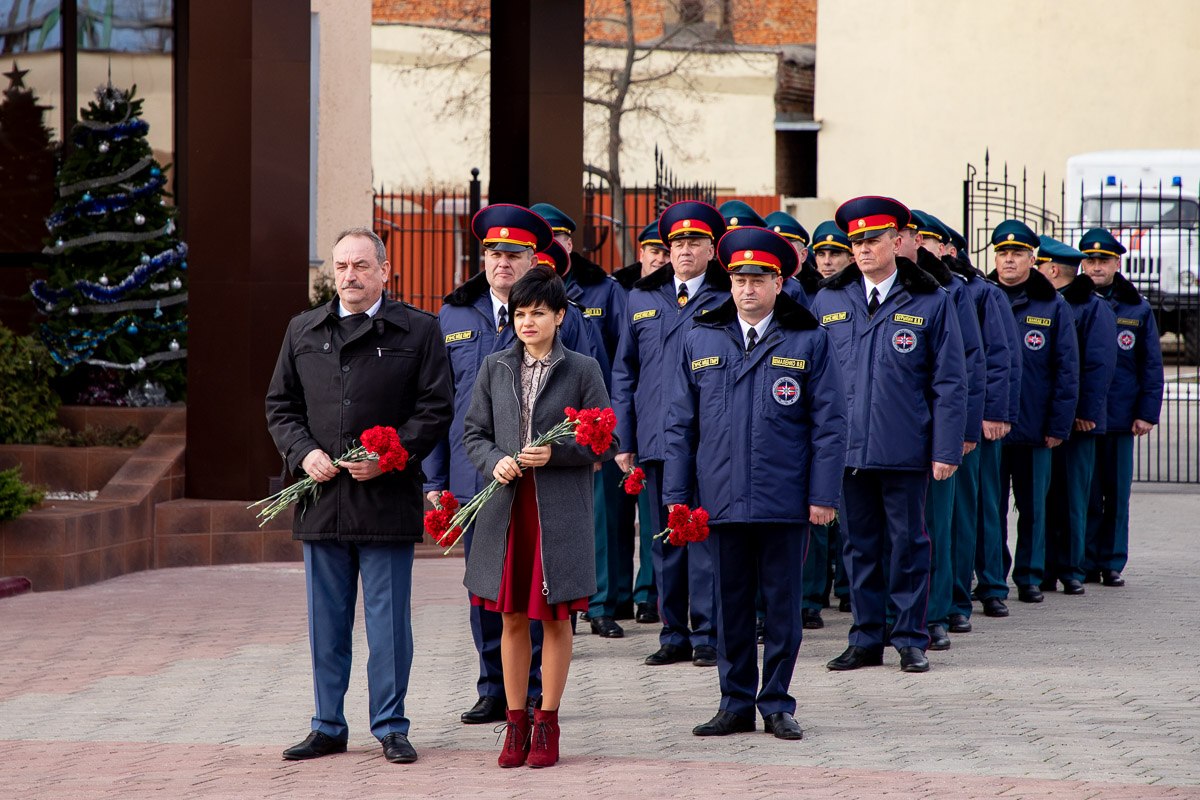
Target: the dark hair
(538, 285)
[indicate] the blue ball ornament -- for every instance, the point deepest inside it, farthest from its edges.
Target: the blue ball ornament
(155, 171)
(132, 329)
(87, 197)
(183, 265)
(145, 259)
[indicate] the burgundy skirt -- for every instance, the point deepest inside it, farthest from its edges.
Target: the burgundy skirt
(521, 581)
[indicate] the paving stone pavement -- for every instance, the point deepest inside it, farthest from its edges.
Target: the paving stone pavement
(189, 682)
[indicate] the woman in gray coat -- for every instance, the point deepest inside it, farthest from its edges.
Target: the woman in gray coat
(533, 552)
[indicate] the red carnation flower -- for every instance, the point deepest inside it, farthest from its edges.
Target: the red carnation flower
(384, 443)
(437, 521)
(635, 481)
(593, 427)
(685, 525)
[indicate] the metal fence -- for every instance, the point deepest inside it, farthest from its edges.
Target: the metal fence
(1159, 224)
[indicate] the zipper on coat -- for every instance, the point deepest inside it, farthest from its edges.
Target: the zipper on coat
(541, 540)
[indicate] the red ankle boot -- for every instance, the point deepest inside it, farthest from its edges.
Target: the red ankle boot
(516, 740)
(543, 751)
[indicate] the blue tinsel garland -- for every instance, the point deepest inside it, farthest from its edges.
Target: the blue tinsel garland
(100, 293)
(98, 206)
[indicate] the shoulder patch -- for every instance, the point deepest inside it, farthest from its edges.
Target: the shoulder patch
(593, 312)
(649, 313)
(789, 363)
(837, 316)
(709, 361)
(1043, 322)
(1127, 321)
(459, 336)
(908, 318)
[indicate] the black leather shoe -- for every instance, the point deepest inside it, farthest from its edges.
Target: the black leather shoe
(1030, 594)
(624, 611)
(783, 725)
(723, 724)
(938, 638)
(760, 630)
(316, 745)
(486, 709)
(994, 607)
(1091, 576)
(913, 660)
(960, 623)
(584, 616)
(1110, 577)
(856, 657)
(1048, 585)
(646, 614)
(844, 605)
(705, 655)
(1073, 587)
(811, 618)
(607, 628)
(669, 654)
(397, 749)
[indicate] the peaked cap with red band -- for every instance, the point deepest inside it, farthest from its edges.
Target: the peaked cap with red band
(556, 257)
(511, 228)
(871, 216)
(690, 219)
(757, 251)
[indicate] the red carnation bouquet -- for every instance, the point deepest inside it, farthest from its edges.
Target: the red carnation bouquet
(437, 521)
(591, 427)
(380, 444)
(685, 525)
(635, 481)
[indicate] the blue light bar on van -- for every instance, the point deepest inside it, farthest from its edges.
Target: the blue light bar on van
(1177, 181)
(1111, 180)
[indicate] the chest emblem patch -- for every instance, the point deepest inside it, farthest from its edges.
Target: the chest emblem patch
(1035, 340)
(1126, 340)
(785, 391)
(904, 341)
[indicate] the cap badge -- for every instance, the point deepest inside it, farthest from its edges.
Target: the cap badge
(862, 223)
(687, 223)
(504, 232)
(1011, 236)
(778, 229)
(733, 220)
(829, 237)
(748, 254)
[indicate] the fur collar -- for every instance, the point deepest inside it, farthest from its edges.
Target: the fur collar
(715, 276)
(810, 279)
(471, 290)
(789, 315)
(1037, 287)
(934, 266)
(909, 275)
(1078, 291)
(1124, 291)
(585, 272)
(628, 276)
(961, 266)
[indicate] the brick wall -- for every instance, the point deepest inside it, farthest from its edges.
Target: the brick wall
(765, 23)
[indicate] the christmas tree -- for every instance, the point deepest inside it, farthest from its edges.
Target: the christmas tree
(26, 166)
(115, 298)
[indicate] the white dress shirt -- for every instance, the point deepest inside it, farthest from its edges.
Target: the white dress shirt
(884, 286)
(372, 311)
(760, 328)
(693, 285)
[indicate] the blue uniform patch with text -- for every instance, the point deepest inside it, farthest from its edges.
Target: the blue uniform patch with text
(785, 391)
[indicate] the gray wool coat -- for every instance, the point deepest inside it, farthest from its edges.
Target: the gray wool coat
(491, 430)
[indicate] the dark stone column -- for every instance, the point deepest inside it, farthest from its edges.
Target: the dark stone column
(243, 193)
(537, 103)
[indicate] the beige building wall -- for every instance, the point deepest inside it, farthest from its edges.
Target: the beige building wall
(909, 91)
(342, 138)
(431, 124)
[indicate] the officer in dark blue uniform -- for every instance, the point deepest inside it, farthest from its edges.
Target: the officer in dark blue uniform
(1073, 462)
(1134, 402)
(1048, 395)
(926, 244)
(897, 339)
(641, 589)
(824, 564)
(976, 536)
(474, 322)
(660, 312)
(804, 281)
(758, 369)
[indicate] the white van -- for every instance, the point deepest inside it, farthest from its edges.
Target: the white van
(1150, 200)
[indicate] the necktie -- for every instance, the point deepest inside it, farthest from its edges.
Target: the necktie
(873, 303)
(751, 339)
(502, 319)
(683, 295)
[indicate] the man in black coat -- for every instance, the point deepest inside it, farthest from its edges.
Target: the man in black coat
(362, 360)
